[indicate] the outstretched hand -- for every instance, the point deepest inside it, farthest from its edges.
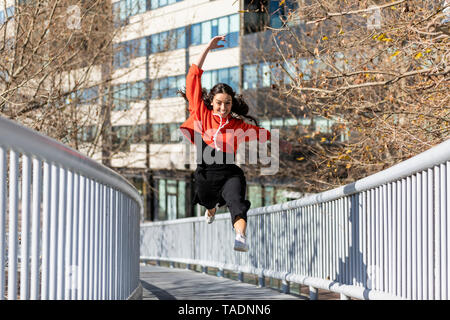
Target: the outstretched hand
(214, 43)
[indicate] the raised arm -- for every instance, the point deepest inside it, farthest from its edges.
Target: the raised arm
(193, 80)
(213, 44)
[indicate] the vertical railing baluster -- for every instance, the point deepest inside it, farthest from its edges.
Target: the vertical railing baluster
(3, 190)
(120, 247)
(108, 257)
(437, 233)
(12, 226)
(92, 226)
(53, 231)
(25, 230)
(36, 230)
(103, 244)
(96, 211)
(363, 239)
(76, 239)
(113, 249)
(424, 209)
(444, 233)
(390, 231)
(378, 239)
(87, 239)
(446, 212)
(399, 258)
(414, 236)
(46, 232)
(61, 267)
(69, 263)
(385, 228)
(419, 215)
(80, 243)
(430, 211)
(403, 243)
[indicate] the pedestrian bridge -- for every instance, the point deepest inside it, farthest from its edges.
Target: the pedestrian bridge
(70, 229)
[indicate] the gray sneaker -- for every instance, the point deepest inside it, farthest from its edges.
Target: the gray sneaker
(210, 219)
(240, 243)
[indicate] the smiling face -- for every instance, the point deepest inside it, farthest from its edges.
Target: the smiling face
(222, 104)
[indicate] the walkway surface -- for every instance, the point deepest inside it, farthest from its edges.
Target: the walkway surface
(161, 283)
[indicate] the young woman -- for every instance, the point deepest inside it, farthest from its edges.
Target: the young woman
(216, 123)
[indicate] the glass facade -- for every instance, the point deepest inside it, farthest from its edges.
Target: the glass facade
(124, 9)
(5, 15)
(167, 87)
(124, 136)
(87, 133)
(229, 76)
(300, 125)
(84, 96)
(166, 133)
(203, 32)
(171, 199)
(141, 47)
(261, 196)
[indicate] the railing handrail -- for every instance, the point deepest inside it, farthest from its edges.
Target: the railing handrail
(427, 159)
(381, 237)
(436, 155)
(39, 146)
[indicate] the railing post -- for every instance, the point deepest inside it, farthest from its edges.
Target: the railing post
(285, 287)
(261, 281)
(3, 189)
(13, 217)
(344, 297)
(36, 222)
(313, 293)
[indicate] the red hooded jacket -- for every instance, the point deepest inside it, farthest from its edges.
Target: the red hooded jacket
(223, 134)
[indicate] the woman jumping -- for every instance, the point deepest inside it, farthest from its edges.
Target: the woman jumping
(215, 121)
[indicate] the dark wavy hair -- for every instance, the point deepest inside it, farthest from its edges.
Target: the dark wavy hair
(239, 108)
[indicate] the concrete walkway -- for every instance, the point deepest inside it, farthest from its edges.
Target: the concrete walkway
(160, 283)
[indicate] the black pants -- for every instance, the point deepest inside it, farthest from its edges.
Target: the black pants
(224, 185)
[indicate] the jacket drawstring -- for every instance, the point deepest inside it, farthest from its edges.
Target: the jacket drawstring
(218, 129)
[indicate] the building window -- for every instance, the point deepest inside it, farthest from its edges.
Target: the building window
(155, 4)
(261, 196)
(9, 14)
(162, 200)
(84, 96)
(167, 87)
(126, 93)
(254, 196)
(166, 133)
(124, 9)
(229, 76)
(171, 199)
(203, 32)
(87, 133)
(250, 77)
(124, 136)
(127, 50)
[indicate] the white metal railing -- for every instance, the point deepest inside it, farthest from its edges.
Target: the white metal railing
(382, 237)
(78, 222)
